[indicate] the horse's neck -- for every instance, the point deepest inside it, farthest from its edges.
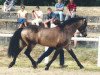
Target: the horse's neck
(70, 29)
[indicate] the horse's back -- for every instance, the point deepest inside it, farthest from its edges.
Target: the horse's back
(46, 36)
(29, 33)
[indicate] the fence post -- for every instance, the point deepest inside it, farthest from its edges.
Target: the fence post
(46, 58)
(98, 61)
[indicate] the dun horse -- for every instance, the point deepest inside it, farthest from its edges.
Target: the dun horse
(58, 37)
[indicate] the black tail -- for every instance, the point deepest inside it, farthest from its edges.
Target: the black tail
(14, 43)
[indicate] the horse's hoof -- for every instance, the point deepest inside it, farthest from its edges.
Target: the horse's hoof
(37, 63)
(81, 67)
(63, 66)
(11, 65)
(46, 68)
(35, 66)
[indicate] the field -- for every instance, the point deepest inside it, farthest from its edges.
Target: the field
(86, 55)
(40, 71)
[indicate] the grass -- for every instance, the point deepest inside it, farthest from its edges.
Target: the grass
(86, 55)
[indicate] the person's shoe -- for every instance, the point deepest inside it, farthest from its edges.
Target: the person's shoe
(63, 66)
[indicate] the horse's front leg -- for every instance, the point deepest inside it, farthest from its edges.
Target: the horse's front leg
(75, 58)
(53, 58)
(27, 53)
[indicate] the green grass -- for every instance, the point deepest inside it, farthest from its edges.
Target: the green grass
(87, 56)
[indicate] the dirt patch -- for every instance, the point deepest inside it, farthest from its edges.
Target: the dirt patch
(41, 71)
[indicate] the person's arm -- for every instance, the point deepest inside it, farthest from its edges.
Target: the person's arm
(68, 10)
(56, 7)
(74, 8)
(26, 15)
(18, 14)
(54, 16)
(36, 15)
(33, 16)
(60, 9)
(41, 16)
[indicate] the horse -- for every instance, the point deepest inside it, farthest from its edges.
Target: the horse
(57, 37)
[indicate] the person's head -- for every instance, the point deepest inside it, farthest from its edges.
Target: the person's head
(22, 7)
(71, 1)
(49, 10)
(37, 8)
(59, 1)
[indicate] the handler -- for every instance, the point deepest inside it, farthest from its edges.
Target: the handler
(49, 50)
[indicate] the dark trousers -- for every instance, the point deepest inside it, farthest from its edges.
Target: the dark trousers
(48, 52)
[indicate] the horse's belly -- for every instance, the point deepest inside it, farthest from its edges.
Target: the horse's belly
(51, 41)
(48, 42)
(51, 38)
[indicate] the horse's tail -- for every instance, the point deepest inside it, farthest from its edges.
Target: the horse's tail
(13, 49)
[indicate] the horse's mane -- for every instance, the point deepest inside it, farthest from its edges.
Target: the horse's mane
(67, 22)
(71, 21)
(33, 27)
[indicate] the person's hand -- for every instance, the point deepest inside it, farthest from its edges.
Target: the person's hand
(70, 13)
(59, 9)
(56, 9)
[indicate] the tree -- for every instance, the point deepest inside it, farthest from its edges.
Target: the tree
(52, 2)
(1, 2)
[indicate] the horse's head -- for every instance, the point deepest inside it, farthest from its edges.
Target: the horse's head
(82, 27)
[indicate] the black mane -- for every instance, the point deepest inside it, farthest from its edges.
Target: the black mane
(33, 27)
(71, 21)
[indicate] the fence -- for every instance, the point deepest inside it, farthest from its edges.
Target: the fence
(91, 39)
(73, 38)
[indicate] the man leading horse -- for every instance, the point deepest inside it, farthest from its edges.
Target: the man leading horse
(51, 37)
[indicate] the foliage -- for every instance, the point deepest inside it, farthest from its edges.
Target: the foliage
(52, 2)
(1, 2)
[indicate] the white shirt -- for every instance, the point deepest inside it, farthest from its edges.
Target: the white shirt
(22, 14)
(39, 13)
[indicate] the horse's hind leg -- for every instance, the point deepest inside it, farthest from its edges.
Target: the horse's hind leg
(53, 58)
(14, 58)
(75, 58)
(16, 54)
(27, 53)
(13, 62)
